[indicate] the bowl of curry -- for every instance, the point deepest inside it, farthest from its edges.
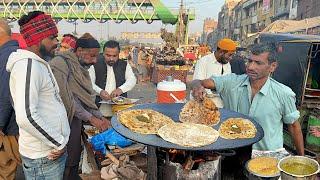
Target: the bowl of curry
(298, 167)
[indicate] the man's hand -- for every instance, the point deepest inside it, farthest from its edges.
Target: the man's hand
(106, 123)
(1, 132)
(105, 95)
(55, 154)
(315, 131)
(198, 91)
(101, 125)
(117, 92)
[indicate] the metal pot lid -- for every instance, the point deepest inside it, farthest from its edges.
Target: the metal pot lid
(173, 110)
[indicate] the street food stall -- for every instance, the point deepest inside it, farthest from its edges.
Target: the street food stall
(169, 63)
(299, 68)
(180, 146)
(175, 158)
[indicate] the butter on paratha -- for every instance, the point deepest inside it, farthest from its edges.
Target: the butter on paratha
(188, 134)
(234, 128)
(143, 121)
(204, 112)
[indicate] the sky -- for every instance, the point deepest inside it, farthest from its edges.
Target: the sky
(203, 10)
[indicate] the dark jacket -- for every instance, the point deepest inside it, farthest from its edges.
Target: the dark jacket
(119, 69)
(7, 116)
(238, 65)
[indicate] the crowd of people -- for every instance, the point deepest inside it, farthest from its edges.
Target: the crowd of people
(50, 89)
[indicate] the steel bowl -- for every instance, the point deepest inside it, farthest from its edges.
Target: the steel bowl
(300, 159)
(254, 176)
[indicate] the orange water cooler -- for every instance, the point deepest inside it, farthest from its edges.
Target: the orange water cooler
(171, 91)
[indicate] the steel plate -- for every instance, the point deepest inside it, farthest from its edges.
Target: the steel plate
(173, 110)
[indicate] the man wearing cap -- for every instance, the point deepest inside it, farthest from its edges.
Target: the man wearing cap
(40, 114)
(215, 64)
(71, 72)
(68, 43)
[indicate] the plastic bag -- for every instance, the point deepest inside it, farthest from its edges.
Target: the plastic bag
(109, 137)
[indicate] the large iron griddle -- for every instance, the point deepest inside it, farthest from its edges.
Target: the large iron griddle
(173, 110)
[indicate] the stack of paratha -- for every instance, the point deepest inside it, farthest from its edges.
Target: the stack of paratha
(188, 134)
(144, 121)
(204, 112)
(234, 128)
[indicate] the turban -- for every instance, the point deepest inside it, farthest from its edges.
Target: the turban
(70, 41)
(38, 28)
(227, 44)
(87, 43)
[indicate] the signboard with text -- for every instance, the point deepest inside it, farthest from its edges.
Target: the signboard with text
(266, 6)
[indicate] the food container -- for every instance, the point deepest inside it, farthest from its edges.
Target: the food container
(106, 110)
(170, 91)
(298, 168)
(253, 174)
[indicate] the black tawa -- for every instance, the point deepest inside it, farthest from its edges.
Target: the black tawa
(173, 111)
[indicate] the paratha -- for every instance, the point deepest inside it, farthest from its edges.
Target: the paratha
(234, 128)
(188, 134)
(143, 121)
(205, 112)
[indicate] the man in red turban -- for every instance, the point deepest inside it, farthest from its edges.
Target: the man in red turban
(40, 114)
(40, 34)
(68, 43)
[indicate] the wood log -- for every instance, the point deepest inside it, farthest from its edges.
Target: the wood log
(152, 163)
(112, 158)
(91, 157)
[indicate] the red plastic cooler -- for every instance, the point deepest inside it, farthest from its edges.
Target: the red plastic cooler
(176, 88)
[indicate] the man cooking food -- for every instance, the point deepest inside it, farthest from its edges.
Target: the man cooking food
(110, 76)
(257, 95)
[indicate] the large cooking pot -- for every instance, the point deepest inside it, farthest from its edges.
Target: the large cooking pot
(298, 168)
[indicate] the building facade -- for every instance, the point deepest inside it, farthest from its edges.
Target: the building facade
(293, 9)
(249, 18)
(308, 9)
(281, 9)
(209, 25)
(242, 18)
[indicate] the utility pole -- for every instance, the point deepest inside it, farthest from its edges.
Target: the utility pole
(181, 26)
(108, 35)
(75, 28)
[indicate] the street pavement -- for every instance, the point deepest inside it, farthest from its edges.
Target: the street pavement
(146, 92)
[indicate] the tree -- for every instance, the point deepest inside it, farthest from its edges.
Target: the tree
(169, 38)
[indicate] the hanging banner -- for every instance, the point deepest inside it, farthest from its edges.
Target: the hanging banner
(266, 6)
